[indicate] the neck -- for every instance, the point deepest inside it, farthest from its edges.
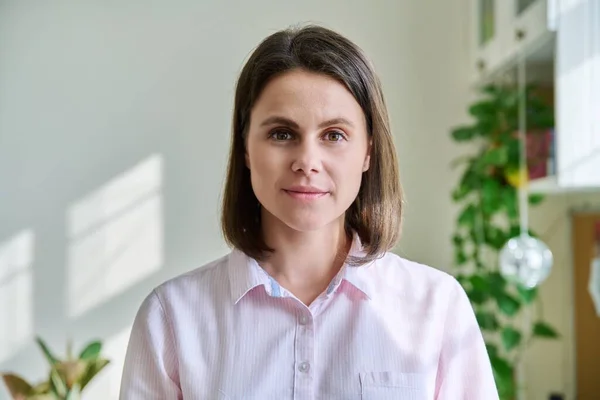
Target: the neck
(304, 262)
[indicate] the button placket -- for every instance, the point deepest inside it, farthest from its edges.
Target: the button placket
(303, 320)
(304, 355)
(304, 367)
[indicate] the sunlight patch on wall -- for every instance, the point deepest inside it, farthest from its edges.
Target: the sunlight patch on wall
(16, 293)
(115, 237)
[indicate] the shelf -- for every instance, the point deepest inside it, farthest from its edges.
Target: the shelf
(550, 186)
(539, 61)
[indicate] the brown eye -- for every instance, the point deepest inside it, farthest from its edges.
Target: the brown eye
(281, 136)
(335, 136)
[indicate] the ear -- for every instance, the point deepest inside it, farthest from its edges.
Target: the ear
(367, 162)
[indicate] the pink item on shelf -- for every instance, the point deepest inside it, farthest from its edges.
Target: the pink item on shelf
(538, 151)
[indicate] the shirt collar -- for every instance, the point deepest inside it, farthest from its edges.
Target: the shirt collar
(359, 277)
(245, 274)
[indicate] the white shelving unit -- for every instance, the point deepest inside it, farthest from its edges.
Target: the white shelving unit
(501, 29)
(550, 186)
(562, 58)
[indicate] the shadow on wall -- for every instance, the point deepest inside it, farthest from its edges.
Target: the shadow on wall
(114, 241)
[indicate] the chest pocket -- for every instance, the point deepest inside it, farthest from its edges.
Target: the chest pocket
(390, 385)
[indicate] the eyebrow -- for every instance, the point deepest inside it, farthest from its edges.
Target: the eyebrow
(277, 120)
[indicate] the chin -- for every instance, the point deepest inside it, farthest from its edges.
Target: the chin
(306, 223)
(305, 226)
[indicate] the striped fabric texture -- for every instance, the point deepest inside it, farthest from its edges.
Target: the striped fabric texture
(392, 329)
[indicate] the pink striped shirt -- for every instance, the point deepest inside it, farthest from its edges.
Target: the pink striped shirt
(392, 329)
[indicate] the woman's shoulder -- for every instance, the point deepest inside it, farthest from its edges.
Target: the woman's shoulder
(408, 277)
(201, 284)
(393, 263)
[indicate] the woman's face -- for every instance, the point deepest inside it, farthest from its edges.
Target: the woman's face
(307, 148)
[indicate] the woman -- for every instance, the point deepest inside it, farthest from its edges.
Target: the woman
(310, 303)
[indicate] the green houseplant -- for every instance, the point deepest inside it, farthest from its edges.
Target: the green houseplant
(487, 194)
(67, 377)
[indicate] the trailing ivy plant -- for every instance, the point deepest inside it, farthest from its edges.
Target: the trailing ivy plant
(487, 193)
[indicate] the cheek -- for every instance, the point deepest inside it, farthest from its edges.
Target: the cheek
(347, 173)
(264, 166)
(262, 163)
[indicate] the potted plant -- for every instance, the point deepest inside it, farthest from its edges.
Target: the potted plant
(67, 378)
(489, 217)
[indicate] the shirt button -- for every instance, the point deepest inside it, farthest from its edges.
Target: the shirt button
(303, 320)
(304, 367)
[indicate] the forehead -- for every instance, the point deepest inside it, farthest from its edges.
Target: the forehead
(300, 93)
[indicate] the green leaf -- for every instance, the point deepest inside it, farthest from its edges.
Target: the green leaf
(495, 237)
(515, 230)
(469, 181)
(502, 368)
(504, 377)
(527, 295)
(460, 258)
(485, 110)
(46, 350)
(57, 385)
(464, 133)
(461, 192)
(91, 351)
(492, 350)
(510, 201)
(490, 196)
(535, 199)
(458, 240)
(474, 236)
(511, 338)
(486, 126)
(541, 329)
(508, 304)
(487, 321)
(490, 89)
(467, 216)
(542, 119)
(94, 367)
(497, 283)
(495, 157)
(480, 283)
(477, 296)
(513, 148)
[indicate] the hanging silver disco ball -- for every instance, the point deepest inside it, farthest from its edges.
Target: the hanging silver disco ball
(525, 260)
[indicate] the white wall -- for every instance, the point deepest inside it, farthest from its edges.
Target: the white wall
(114, 127)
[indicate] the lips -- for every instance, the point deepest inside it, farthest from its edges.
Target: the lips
(306, 192)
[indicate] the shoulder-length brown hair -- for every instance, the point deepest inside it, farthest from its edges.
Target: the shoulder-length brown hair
(376, 213)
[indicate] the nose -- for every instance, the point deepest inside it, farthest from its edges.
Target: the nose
(307, 159)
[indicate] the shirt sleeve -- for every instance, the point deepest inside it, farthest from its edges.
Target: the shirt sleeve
(151, 368)
(464, 369)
